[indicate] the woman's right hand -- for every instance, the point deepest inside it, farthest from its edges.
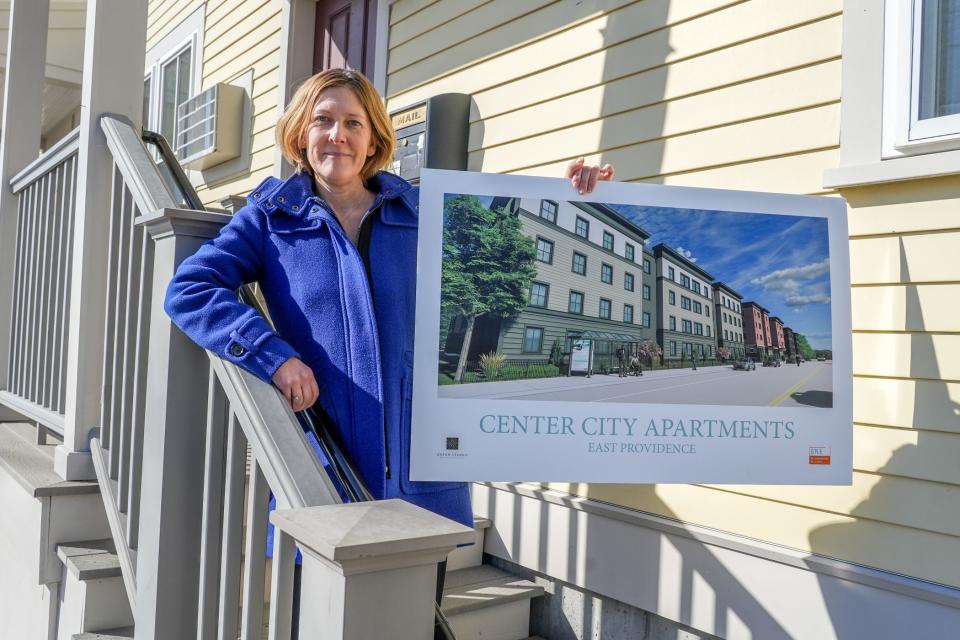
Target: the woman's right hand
(295, 380)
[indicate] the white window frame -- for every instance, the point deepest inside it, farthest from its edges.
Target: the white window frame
(877, 72)
(186, 35)
(904, 132)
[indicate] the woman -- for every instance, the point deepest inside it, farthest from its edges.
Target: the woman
(334, 249)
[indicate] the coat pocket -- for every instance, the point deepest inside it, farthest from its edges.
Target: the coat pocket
(407, 485)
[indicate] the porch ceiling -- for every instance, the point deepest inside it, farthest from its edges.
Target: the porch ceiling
(64, 69)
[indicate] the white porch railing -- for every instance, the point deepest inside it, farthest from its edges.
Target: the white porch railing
(41, 305)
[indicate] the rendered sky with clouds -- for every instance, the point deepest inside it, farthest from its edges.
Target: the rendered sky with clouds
(780, 261)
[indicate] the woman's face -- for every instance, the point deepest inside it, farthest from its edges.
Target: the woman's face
(339, 138)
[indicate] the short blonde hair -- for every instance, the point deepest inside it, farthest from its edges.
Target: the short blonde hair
(292, 126)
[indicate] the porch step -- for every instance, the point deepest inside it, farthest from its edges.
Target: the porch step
(125, 633)
(91, 560)
(485, 603)
(31, 465)
(93, 599)
(472, 556)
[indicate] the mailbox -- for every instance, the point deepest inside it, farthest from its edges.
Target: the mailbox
(431, 134)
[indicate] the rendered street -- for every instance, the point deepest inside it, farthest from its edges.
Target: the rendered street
(809, 385)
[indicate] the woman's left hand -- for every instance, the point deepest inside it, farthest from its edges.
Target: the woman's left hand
(584, 177)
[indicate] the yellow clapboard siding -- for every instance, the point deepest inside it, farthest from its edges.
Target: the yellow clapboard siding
(239, 187)
(801, 131)
(799, 89)
(755, 59)
(923, 404)
(920, 504)
(579, 32)
(497, 14)
(919, 205)
(912, 453)
(931, 307)
(265, 101)
(798, 173)
(628, 81)
(241, 20)
(264, 59)
(403, 9)
(429, 18)
(929, 257)
(260, 30)
(168, 19)
(740, 23)
(907, 355)
(876, 544)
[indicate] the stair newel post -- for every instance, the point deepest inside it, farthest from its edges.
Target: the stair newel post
(168, 558)
(369, 568)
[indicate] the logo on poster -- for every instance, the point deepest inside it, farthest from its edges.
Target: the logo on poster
(452, 449)
(819, 455)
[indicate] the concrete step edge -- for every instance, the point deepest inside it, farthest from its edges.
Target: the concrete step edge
(90, 559)
(475, 588)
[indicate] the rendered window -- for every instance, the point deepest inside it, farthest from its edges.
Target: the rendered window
(582, 227)
(685, 281)
(696, 286)
(628, 251)
(685, 303)
(673, 323)
(646, 319)
(608, 241)
(533, 340)
(673, 347)
(606, 273)
(604, 308)
(672, 297)
(628, 313)
(544, 250)
(548, 210)
(698, 328)
(646, 266)
(706, 310)
(579, 263)
(670, 273)
(646, 292)
(697, 307)
(539, 292)
(576, 302)
(628, 281)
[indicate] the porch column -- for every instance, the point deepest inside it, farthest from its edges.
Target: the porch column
(114, 51)
(23, 103)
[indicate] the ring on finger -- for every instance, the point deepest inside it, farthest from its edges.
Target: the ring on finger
(297, 398)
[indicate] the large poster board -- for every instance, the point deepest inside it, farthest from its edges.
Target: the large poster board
(643, 334)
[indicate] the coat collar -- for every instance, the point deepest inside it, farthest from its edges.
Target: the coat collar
(295, 198)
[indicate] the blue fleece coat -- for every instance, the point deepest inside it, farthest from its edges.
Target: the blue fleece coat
(357, 338)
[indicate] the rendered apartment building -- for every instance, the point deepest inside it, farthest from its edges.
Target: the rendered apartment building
(589, 282)
(756, 327)
(728, 319)
(778, 343)
(684, 303)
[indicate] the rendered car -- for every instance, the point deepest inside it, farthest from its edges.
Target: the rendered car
(821, 358)
(772, 362)
(746, 364)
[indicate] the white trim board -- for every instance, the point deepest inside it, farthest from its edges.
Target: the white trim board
(728, 585)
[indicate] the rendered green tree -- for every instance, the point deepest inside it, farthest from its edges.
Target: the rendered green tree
(804, 347)
(488, 265)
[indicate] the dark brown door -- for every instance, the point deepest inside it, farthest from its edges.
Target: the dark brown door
(345, 35)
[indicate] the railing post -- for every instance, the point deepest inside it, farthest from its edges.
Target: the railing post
(113, 61)
(23, 101)
(168, 555)
(369, 568)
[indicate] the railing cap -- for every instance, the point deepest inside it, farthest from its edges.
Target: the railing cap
(365, 530)
(167, 222)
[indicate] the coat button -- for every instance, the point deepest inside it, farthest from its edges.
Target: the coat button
(236, 350)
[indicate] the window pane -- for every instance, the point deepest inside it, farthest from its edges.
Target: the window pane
(532, 340)
(606, 274)
(544, 250)
(940, 59)
(608, 240)
(576, 302)
(582, 228)
(146, 103)
(538, 294)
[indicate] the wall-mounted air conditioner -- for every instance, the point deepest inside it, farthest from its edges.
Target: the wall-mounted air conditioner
(209, 127)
